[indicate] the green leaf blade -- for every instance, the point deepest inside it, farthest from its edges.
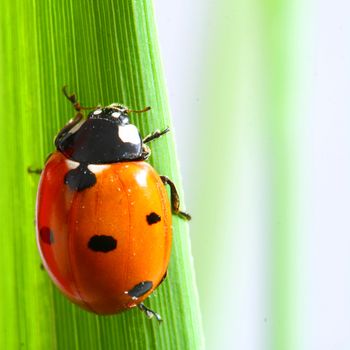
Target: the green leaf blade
(106, 52)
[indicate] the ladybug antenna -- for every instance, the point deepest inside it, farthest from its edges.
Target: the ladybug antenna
(146, 109)
(73, 99)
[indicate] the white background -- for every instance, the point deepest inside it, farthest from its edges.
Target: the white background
(320, 138)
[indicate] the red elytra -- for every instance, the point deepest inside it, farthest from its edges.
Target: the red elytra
(126, 195)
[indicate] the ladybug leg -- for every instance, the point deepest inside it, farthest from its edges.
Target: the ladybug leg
(146, 152)
(155, 134)
(38, 171)
(76, 120)
(175, 200)
(149, 312)
(73, 99)
(30, 170)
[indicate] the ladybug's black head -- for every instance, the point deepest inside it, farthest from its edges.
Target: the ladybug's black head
(106, 136)
(115, 113)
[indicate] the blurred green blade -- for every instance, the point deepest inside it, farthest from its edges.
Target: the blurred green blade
(107, 52)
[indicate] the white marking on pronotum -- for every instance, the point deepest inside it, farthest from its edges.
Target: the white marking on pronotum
(129, 133)
(75, 128)
(71, 164)
(116, 114)
(98, 111)
(97, 168)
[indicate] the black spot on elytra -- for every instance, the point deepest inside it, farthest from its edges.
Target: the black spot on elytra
(80, 178)
(102, 243)
(140, 289)
(46, 235)
(152, 218)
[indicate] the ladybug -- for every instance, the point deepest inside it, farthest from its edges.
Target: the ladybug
(103, 217)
